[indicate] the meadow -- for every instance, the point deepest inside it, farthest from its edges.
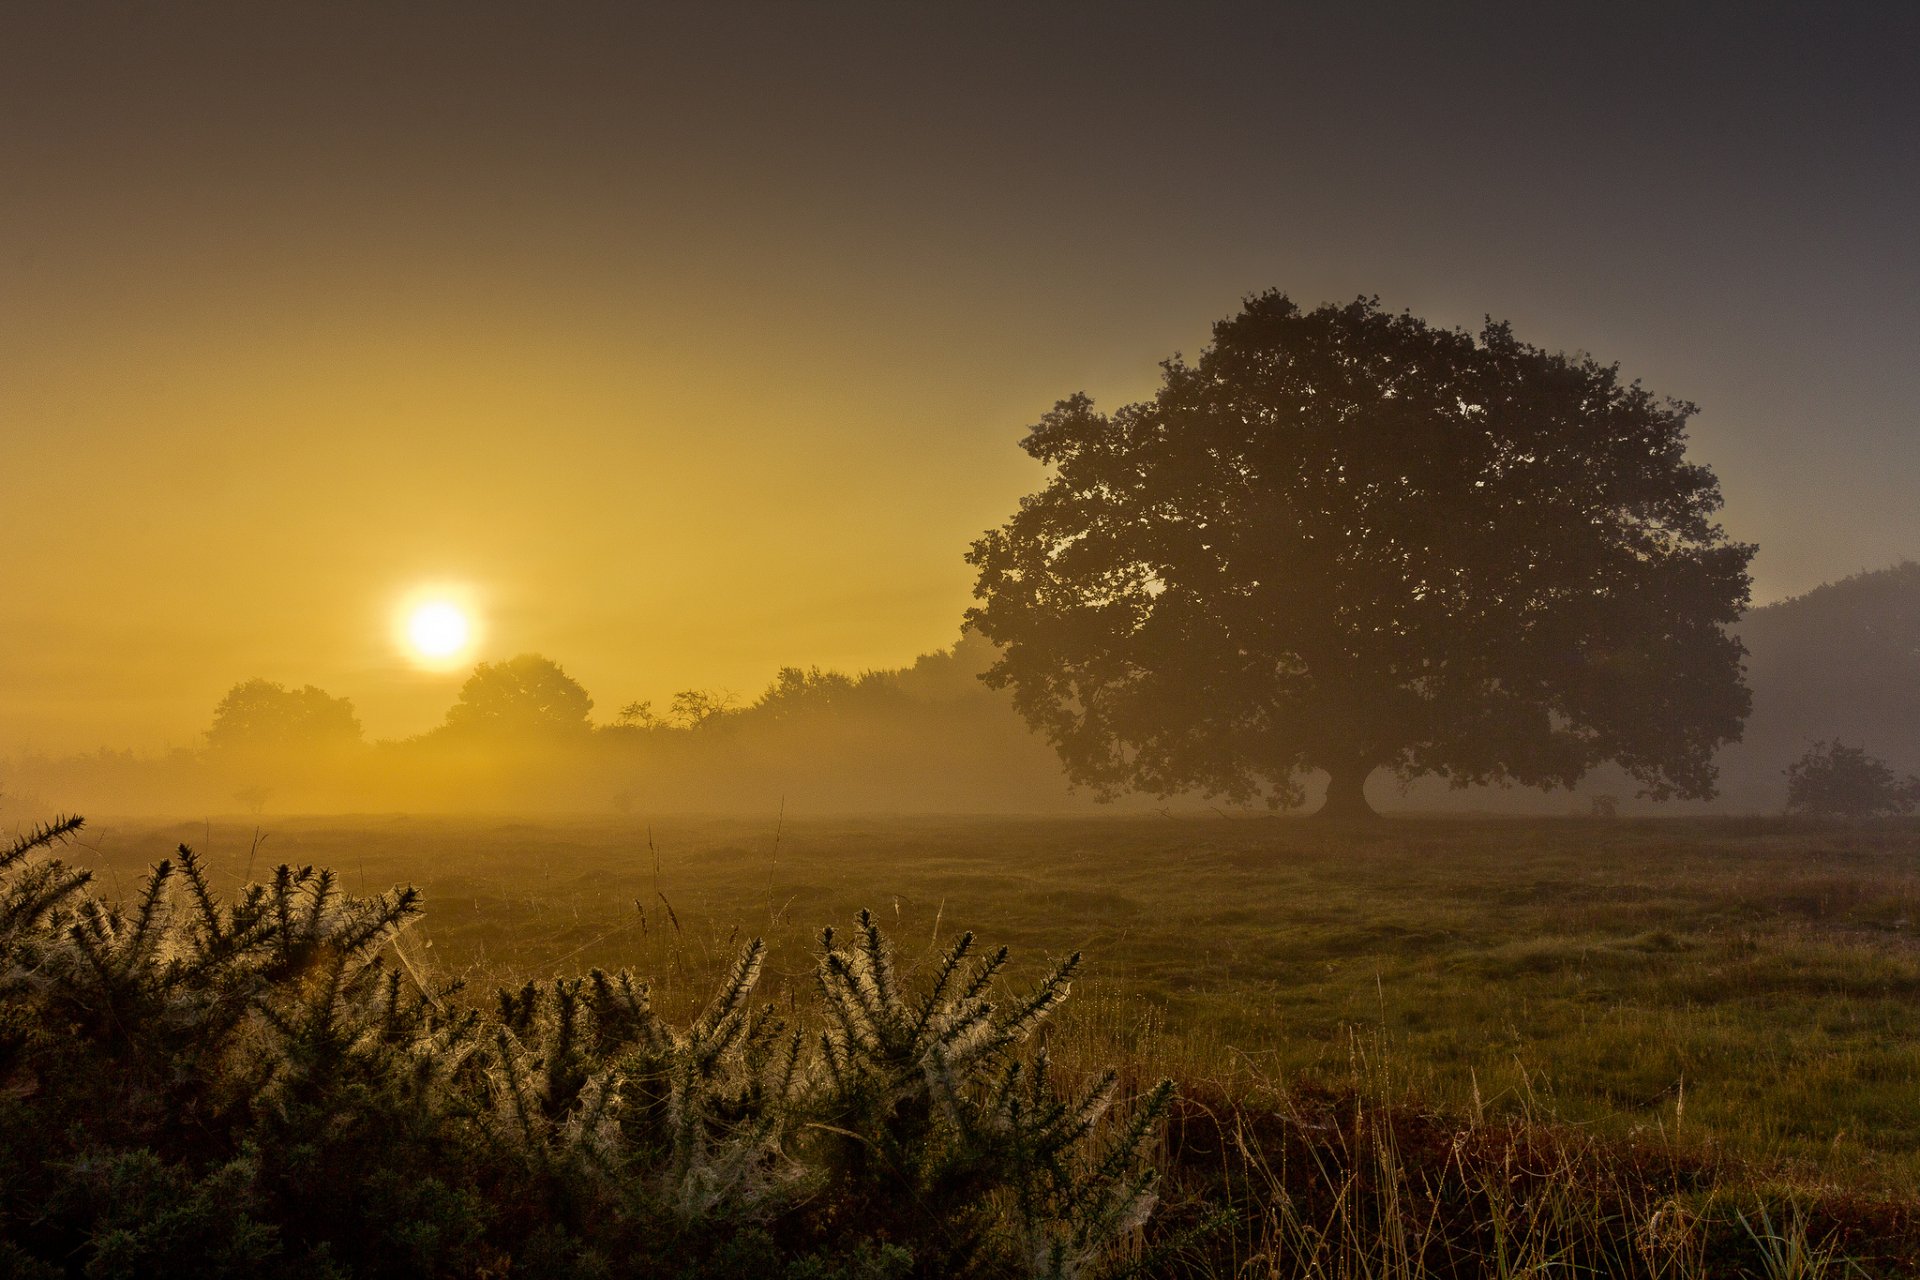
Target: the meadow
(1737, 1000)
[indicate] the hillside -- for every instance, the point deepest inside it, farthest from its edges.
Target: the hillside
(1841, 661)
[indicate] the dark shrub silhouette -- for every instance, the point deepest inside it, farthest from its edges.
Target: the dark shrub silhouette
(1833, 780)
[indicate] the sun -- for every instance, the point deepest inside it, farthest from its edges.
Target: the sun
(438, 625)
(438, 630)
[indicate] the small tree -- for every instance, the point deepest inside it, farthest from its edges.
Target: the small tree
(260, 715)
(1346, 540)
(637, 715)
(1833, 780)
(692, 708)
(525, 696)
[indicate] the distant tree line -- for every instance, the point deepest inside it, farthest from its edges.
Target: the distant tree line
(1833, 668)
(531, 699)
(522, 731)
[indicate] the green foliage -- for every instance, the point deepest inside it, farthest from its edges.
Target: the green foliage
(192, 1086)
(1833, 780)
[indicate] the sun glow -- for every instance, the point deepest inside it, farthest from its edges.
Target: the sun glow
(436, 631)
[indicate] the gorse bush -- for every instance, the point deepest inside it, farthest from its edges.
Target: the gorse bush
(192, 1086)
(902, 1087)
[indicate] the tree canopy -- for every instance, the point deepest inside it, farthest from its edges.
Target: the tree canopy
(1348, 540)
(522, 696)
(258, 715)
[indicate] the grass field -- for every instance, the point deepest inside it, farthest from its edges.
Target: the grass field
(1429, 1048)
(1748, 987)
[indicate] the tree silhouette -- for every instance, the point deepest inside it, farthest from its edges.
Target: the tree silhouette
(692, 708)
(1347, 540)
(1833, 780)
(523, 696)
(259, 715)
(637, 715)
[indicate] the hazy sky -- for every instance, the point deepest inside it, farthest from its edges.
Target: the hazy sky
(696, 341)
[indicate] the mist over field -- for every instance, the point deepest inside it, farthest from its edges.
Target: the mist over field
(1842, 662)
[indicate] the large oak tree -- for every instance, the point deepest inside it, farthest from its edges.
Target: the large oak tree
(1347, 540)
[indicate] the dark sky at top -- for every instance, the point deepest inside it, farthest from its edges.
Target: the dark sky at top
(299, 301)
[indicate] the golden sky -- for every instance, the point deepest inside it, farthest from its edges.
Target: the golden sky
(693, 346)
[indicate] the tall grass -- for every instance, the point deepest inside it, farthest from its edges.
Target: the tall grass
(1357, 1173)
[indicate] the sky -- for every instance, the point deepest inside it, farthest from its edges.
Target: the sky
(684, 343)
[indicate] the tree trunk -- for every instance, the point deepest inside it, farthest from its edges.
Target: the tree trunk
(1347, 795)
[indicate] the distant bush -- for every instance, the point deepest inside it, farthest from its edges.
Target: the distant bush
(525, 696)
(259, 715)
(197, 1087)
(1833, 780)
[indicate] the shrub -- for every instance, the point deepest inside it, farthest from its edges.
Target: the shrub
(197, 1087)
(1833, 780)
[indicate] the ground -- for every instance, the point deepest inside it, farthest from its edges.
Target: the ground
(1747, 986)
